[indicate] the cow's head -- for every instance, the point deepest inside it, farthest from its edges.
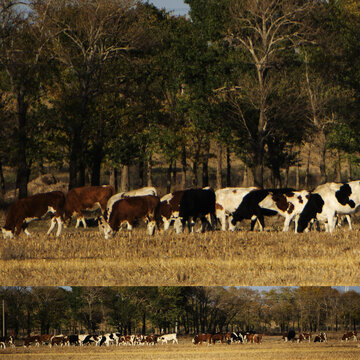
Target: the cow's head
(105, 228)
(7, 233)
(151, 227)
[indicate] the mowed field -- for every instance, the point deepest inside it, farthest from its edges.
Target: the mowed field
(84, 257)
(271, 348)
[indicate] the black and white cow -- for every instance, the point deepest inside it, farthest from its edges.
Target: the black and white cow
(197, 203)
(328, 201)
(227, 201)
(259, 203)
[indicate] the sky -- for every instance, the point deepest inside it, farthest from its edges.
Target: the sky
(177, 7)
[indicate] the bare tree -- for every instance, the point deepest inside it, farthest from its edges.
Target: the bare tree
(263, 30)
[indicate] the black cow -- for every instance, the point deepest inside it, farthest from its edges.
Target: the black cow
(289, 336)
(252, 207)
(197, 203)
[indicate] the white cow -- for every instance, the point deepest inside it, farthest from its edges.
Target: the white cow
(227, 201)
(168, 337)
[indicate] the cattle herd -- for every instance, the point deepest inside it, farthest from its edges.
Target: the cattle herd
(327, 204)
(240, 337)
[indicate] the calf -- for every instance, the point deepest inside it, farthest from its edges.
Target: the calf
(227, 201)
(168, 337)
(86, 198)
(128, 210)
(200, 338)
(197, 203)
(257, 204)
(25, 210)
(329, 200)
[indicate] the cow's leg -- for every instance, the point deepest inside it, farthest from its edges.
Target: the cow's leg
(331, 223)
(52, 225)
(222, 218)
(151, 227)
(348, 218)
(287, 223)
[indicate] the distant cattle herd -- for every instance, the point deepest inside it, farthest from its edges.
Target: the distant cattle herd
(240, 337)
(326, 204)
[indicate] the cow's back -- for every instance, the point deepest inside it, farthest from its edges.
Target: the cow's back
(197, 202)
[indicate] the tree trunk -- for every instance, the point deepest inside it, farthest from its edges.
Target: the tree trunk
(323, 175)
(96, 168)
(174, 174)
(297, 176)
(149, 172)
(141, 173)
(350, 176)
(307, 172)
(205, 167)
(125, 180)
(219, 167)
(228, 167)
(23, 170)
(2, 183)
(184, 168)
(168, 178)
(338, 166)
(114, 179)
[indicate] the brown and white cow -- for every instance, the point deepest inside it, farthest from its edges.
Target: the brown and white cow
(86, 198)
(200, 338)
(34, 207)
(217, 337)
(322, 337)
(253, 338)
(58, 340)
(227, 201)
(168, 210)
(349, 335)
(148, 190)
(6, 340)
(35, 339)
(304, 336)
(128, 210)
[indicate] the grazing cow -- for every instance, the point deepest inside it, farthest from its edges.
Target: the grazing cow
(149, 190)
(200, 338)
(322, 337)
(328, 201)
(168, 337)
(169, 209)
(58, 340)
(152, 339)
(217, 337)
(106, 339)
(257, 204)
(197, 203)
(304, 336)
(72, 340)
(45, 339)
(86, 198)
(289, 336)
(349, 335)
(253, 338)
(32, 340)
(227, 201)
(7, 340)
(25, 210)
(128, 210)
(235, 337)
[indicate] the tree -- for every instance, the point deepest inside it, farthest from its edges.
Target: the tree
(262, 30)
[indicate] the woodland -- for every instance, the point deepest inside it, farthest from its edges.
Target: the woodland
(185, 310)
(97, 87)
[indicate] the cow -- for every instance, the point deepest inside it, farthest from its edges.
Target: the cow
(217, 337)
(72, 340)
(304, 336)
(322, 337)
(149, 190)
(289, 336)
(129, 210)
(35, 339)
(168, 337)
(349, 335)
(45, 339)
(197, 203)
(329, 200)
(86, 198)
(169, 209)
(152, 339)
(106, 339)
(34, 207)
(259, 203)
(58, 340)
(253, 338)
(227, 201)
(7, 340)
(200, 338)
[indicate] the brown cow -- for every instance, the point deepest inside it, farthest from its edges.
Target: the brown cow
(200, 338)
(254, 338)
(218, 337)
(304, 336)
(58, 340)
(128, 210)
(349, 335)
(169, 208)
(45, 339)
(25, 210)
(86, 198)
(32, 339)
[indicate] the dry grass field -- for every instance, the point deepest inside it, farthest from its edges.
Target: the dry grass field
(84, 257)
(271, 348)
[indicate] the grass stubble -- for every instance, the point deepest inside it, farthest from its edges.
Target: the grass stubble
(82, 257)
(271, 348)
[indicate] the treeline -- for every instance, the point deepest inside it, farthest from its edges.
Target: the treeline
(91, 85)
(185, 310)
